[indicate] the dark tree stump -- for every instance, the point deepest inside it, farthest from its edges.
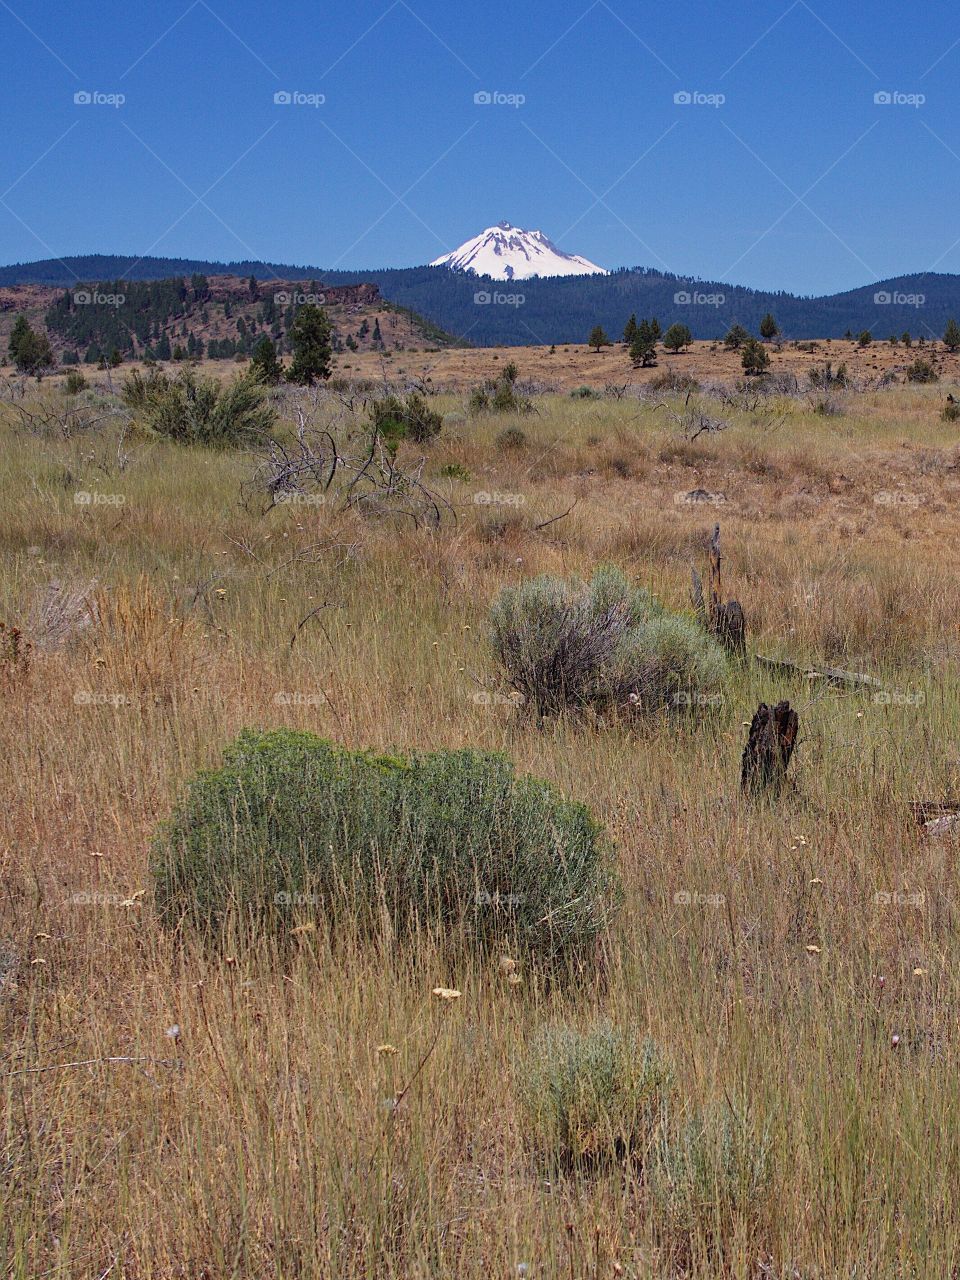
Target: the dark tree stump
(772, 737)
(726, 621)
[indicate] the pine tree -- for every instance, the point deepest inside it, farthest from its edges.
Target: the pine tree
(310, 339)
(768, 327)
(30, 351)
(264, 363)
(630, 331)
(951, 335)
(735, 337)
(754, 358)
(377, 335)
(643, 347)
(677, 337)
(598, 338)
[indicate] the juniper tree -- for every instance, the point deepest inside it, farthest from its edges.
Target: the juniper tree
(310, 340)
(677, 337)
(735, 337)
(754, 358)
(598, 338)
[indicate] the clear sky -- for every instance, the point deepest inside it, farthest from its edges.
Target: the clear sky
(784, 171)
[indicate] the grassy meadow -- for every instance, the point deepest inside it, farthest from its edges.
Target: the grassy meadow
(318, 1111)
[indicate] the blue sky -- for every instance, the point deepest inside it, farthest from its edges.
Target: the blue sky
(798, 179)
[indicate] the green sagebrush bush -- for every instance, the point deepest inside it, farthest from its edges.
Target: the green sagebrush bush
(709, 1184)
(452, 840)
(412, 419)
(604, 644)
(590, 1097)
(197, 410)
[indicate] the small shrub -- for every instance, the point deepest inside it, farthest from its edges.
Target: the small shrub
(454, 471)
(922, 370)
(585, 393)
(512, 438)
(605, 645)
(590, 1097)
(411, 419)
(708, 1185)
(950, 412)
(499, 395)
(448, 840)
(670, 380)
(75, 383)
(195, 410)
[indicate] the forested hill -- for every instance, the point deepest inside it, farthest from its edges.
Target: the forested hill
(565, 309)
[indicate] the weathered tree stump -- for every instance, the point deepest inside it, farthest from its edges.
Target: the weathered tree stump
(726, 621)
(770, 743)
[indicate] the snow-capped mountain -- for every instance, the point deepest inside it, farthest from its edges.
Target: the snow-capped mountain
(510, 253)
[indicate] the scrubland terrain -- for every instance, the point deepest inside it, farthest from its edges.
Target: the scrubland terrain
(172, 1109)
(571, 366)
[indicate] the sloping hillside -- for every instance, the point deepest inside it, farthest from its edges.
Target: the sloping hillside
(217, 317)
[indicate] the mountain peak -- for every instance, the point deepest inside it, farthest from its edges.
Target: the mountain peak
(506, 252)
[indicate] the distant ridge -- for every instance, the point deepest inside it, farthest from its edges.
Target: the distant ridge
(563, 309)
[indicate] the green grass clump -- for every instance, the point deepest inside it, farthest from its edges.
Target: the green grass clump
(449, 840)
(708, 1186)
(605, 644)
(197, 410)
(590, 1097)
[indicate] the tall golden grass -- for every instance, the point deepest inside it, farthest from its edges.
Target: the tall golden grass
(812, 971)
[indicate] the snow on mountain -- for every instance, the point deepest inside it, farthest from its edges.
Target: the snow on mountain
(510, 253)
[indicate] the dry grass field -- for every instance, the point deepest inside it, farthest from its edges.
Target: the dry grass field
(572, 366)
(319, 1112)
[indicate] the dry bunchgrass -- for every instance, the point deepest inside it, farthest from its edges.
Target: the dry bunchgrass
(265, 1138)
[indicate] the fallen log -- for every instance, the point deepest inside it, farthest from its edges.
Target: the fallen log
(834, 675)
